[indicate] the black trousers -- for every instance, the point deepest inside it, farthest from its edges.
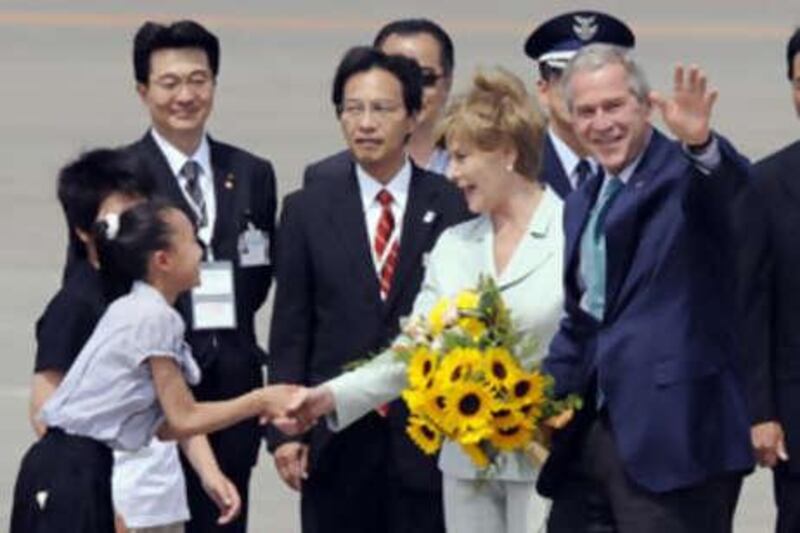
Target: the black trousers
(204, 512)
(352, 489)
(64, 485)
(599, 497)
(787, 499)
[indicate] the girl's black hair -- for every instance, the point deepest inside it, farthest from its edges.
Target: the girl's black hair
(124, 252)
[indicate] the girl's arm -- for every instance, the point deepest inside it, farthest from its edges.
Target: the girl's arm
(187, 417)
(218, 487)
(43, 385)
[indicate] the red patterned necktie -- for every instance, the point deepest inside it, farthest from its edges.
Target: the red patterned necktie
(387, 258)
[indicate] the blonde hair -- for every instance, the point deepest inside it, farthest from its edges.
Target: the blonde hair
(497, 113)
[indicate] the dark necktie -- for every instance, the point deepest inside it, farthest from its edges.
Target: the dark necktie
(583, 171)
(191, 171)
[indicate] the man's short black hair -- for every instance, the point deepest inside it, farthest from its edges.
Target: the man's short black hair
(406, 27)
(792, 49)
(153, 36)
(84, 183)
(363, 58)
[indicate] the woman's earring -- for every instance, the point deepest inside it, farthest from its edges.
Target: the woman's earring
(510, 167)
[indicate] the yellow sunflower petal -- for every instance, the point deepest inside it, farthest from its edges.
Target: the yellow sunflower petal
(479, 457)
(421, 367)
(437, 316)
(511, 438)
(468, 406)
(424, 435)
(501, 368)
(467, 300)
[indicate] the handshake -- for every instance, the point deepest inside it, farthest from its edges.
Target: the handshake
(294, 409)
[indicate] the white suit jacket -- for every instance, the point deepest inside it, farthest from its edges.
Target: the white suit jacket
(534, 294)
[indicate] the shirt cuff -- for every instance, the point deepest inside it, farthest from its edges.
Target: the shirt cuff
(708, 158)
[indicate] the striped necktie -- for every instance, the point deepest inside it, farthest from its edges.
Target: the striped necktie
(386, 257)
(191, 171)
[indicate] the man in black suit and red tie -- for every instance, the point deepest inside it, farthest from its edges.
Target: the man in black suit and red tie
(230, 195)
(349, 262)
(774, 311)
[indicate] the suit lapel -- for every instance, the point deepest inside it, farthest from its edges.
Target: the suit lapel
(553, 170)
(225, 186)
(533, 250)
(577, 213)
(155, 163)
(622, 226)
(417, 229)
(346, 215)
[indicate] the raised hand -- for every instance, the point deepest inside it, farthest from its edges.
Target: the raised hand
(307, 406)
(688, 112)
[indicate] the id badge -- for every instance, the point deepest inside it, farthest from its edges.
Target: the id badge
(214, 300)
(253, 247)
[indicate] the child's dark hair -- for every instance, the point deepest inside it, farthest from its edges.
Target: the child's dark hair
(84, 183)
(125, 244)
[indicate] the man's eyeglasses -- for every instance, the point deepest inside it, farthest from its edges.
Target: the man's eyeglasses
(355, 109)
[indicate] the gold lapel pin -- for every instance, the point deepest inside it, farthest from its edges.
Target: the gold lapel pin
(229, 181)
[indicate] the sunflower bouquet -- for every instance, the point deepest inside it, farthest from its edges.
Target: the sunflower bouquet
(467, 381)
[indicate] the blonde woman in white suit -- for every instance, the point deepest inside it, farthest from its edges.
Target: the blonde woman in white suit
(494, 136)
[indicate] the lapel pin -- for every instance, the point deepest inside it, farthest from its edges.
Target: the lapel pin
(429, 217)
(229, 181)
(639, 184)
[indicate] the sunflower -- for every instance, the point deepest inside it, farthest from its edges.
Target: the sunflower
(472, 326)
(415, 399)
(511, 438)
(438, 317)
(527, 389)
(424, 434)
(467, 405)
(468, 301)
(476, 454)
(500, 368)
(458, 365)
(435, 408)
(421, 367)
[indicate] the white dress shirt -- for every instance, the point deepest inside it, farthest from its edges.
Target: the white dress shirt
(398, 188)
(176, 160)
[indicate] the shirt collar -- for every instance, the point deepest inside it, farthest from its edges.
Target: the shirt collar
(569, 159)
(397, 186)
(176, 159)
(147, 291)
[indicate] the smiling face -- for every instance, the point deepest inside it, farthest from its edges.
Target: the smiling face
(609, 120)
(426, 51)
(375, 122)
(482, 176)
(179, 93)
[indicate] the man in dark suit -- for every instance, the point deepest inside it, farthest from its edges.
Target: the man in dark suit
(775, 301)
(230, 195)
(349, 264)
(650, 333)
(566, 164)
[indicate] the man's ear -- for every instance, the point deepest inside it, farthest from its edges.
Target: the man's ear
(141, 90)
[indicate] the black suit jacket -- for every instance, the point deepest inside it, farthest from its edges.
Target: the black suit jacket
(230, 359)
(328, 311)
(773, 293)
(552, 171)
